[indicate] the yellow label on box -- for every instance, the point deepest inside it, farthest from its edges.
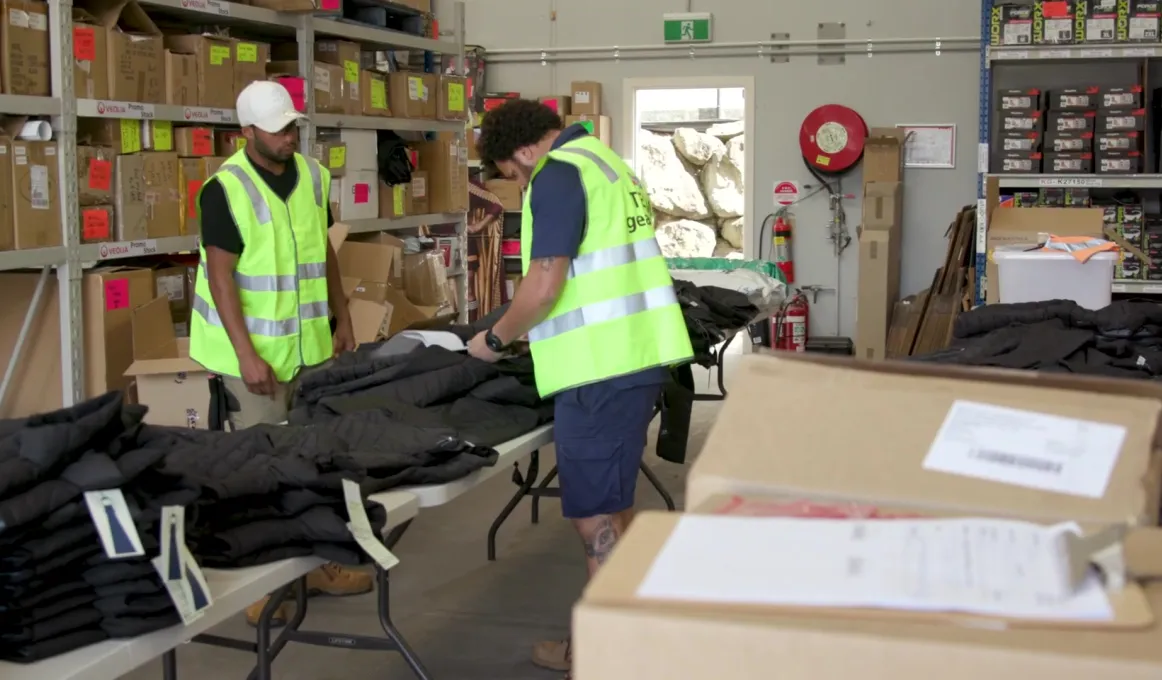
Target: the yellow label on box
(247, 52)
(351, 71)
(130, 136)
(455, 96)
(378, 95)
(239, 143)
(219, 54)
(337, 158)
(162, 135)
(397, 199)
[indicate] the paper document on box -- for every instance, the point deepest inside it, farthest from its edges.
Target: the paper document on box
(998, 568)
(1026, 448)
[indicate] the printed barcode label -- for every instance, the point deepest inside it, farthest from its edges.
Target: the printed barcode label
(38, 187)
(1017, 460)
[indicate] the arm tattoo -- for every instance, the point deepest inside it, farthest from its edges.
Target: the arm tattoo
(600, 545)
(547, 263)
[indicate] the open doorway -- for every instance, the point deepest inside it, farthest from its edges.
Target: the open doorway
(688, 145)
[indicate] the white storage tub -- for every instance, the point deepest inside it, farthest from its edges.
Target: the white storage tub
(1037, 275)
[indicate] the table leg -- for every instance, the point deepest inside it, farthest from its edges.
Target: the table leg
(264, 649)
(540, 491)
(383, 582)
(526, 484)
(169, 665)
(658, 486)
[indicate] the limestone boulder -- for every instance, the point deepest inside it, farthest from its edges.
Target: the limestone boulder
(686, 238)
(722, 184)
(730, 229)
(697, 147)
(672, 189)
(725, 131)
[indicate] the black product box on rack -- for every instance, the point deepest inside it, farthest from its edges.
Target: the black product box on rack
(1058, 22)
(1121, 97)
(1021, 121)
(1119, 162)
(1068, 141)
(1121, 120)
(1068, 163)
(1134, 217)
(1020, 141)
(1022, 98)
(1074, 98)
(1018, 162)
(1118, 141)
(1071, 121)
(1143, 20)
(1011, 24)
(1065, 197)
(1105, 21)
(1025, 199)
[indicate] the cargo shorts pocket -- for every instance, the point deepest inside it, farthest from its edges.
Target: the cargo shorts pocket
(591, 476)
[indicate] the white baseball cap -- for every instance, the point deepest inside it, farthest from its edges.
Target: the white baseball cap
(267, 106)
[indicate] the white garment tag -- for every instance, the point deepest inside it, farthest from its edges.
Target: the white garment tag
(173, 539)
(360, 527)
(110, 514)
(190, 595)
(1027, 448)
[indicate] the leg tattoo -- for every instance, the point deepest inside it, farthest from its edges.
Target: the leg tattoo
(599, 546)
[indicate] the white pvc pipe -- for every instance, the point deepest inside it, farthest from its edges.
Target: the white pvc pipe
(874, 42)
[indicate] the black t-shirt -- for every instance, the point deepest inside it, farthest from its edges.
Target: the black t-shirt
(218, 226)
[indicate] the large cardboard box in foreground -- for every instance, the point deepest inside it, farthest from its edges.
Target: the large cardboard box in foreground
(868, 432)
(618, 635)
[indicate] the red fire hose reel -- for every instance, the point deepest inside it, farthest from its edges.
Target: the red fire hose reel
(832, 138)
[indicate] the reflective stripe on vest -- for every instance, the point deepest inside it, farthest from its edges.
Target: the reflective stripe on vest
(275, 283)
(614, 257)
(606, 310)
(258, 201)
(270, 328)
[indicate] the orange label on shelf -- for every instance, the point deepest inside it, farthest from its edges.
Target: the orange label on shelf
(193, 186)
(203, 142)
(116, 294)
(84, 43)
(100, 175)
(94, 224)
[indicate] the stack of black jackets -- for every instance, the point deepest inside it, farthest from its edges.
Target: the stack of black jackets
(1123, 340)
(58, 590)
(712, 316)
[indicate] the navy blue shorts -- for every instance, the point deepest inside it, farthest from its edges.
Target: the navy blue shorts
(600, 435)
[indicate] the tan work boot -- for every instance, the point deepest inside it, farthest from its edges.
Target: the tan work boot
(556, 655)
(277, 620)
(335, 580)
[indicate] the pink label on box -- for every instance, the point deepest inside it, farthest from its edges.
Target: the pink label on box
(116, 294)
(329, 5)
(361, 192)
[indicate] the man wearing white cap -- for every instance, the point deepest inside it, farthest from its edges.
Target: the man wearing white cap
(269, 281)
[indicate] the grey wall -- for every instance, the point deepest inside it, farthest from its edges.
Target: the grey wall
(887, 90)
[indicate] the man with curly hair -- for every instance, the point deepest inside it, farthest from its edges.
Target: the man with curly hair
(599, 309)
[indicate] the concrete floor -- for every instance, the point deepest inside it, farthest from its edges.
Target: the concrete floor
(467, 618)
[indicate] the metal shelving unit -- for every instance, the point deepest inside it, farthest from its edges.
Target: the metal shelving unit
(1041, 54)
(70, 259)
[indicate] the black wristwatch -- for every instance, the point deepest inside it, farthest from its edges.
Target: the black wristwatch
(494, 342)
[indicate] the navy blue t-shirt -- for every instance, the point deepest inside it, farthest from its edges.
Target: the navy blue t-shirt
(559, 220)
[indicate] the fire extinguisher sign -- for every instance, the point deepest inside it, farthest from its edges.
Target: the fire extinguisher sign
(786, 193)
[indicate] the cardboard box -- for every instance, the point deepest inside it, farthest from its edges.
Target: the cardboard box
(228, 142)
(425, 277)
(124, 136)
(157, 135)
(879, 290)
(618, 634)
(598, 126)
(250, 59)
(586, 96)
(395, 201)
(7, 198)
(357, 193)
(95, 174)
(194, 141)
(169, 282)
(913, 401)
(362, 149)
(368, 261)
(883, 156)
(326, 81)
(215, 67)
(192, 174)
(452, 101)
(394, 271)
(136, 53)
(883, 205)
(332, 154)
(419, 192)
(412, 95)
(508, 191)
(406, 315)
(147, 196)
(97, 223)
(90, 57)
(446, 162)
(181, 79)
(24, 42)
(339, 53)
(562, 105)
(373, 101)
(110, 296)
(174, 387)
(36, 194)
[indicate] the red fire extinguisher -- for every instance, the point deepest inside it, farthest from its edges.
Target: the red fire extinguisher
(781, 248)
(789, 326)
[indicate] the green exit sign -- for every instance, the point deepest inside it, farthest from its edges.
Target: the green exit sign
(687, 28)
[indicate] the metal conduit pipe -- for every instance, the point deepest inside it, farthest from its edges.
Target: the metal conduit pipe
(614, 56)
(974, 41)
